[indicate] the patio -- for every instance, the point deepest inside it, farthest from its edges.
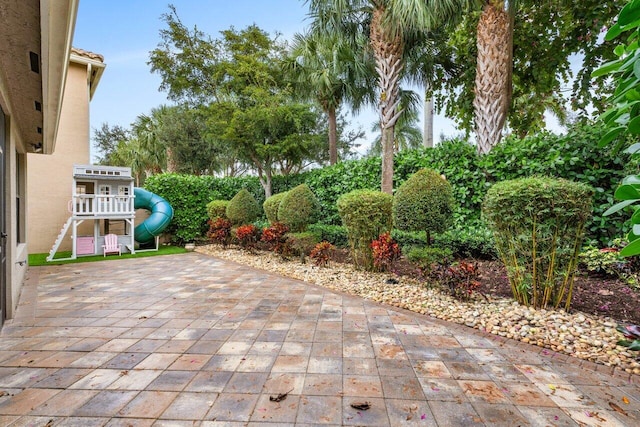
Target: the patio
(190, 340)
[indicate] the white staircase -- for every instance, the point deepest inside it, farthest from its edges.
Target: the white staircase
(58, 241)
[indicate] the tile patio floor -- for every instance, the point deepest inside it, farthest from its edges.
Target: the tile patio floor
(190, 340)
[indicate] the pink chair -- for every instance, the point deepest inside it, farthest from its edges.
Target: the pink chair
(111, 245)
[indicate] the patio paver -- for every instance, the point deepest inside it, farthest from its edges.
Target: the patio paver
(193, 340)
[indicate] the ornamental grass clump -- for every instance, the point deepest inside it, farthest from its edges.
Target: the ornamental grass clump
(366, 214)
(243, 208)
(424, 202)
(271, 206)
(298, 208)
(538, 225)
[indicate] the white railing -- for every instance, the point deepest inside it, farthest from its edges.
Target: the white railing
(94, 204)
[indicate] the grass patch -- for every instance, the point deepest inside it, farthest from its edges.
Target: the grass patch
(41, 259)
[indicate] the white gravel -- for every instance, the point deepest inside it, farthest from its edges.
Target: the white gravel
(577, 334)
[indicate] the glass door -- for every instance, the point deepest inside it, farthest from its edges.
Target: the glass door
(3, 230)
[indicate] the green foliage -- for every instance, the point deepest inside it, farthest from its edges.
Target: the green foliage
(217, 209)
(331, 182)
(474, 242)
(542, 62)
(538, 226)
(271, 206)
(605, 262)
(334, 234)
(423, 202)
(298, 208)
(632, 336)
(574, 156)
(301, 244)
(243, 208)
(188, 195)
(366, 214)
(624, 116)
(425, 258)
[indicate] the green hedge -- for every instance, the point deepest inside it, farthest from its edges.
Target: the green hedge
(573, 156)
(188, 196)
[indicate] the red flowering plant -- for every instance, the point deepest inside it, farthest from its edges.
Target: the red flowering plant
(220, 231)
(385, 251)
(321, 253)
(275, 237)
(461, 278)
(247, 236)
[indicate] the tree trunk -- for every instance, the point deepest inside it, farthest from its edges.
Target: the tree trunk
(387, 51)
(427, 136)
(333, 136)
(172, 166)
(493, 74)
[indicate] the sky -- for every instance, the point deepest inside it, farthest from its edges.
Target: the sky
(125, 31)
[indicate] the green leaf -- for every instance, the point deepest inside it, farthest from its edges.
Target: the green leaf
(606, 68)
(636, 69)
(618, 206)
(631, 179)
(635, 345)
(634, 125)
(627, 192)
(610, 136)
(633, 248)
(633, 149)
(613, 32)
(629, 13)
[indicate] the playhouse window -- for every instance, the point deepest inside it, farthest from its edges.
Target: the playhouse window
(123, 190)
(105, 190)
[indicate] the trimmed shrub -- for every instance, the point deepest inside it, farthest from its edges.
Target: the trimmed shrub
(271, 206)
(243, 208)
(301, 244)
(298, 208)
(424, 202)
(425, 258)
(334, 234)
(538, 226)
(217, 209)
(474, 242)
(366, 214)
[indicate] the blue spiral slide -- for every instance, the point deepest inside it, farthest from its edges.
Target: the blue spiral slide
(161, 215)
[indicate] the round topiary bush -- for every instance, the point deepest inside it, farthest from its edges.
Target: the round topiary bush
(424, 202)
(299, 208)
(217, 209)
(538, 225)
(271, 206)
(366, 214)
(243, 208)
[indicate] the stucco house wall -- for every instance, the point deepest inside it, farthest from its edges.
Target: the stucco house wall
(35, 46)
(50, 177)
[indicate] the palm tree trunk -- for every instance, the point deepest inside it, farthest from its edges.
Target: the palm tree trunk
(333, 136)
(493, 74)
(427, 136)
(387, 51)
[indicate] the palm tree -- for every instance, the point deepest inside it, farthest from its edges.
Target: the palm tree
(325, 67)
(407, 134)
(493, 72)
(393, 28)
